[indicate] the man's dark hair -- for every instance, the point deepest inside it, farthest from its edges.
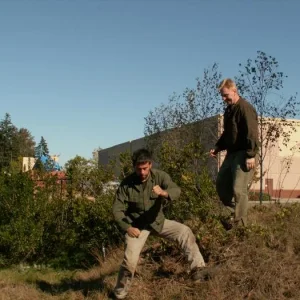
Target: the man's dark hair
(141, 156)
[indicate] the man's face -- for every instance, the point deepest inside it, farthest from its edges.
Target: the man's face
(143, 170)
(229, 95)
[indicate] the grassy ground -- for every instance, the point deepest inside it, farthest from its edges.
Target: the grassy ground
(262, 262)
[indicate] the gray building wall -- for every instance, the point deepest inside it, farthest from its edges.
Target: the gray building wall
(210, 128)
(113, 153)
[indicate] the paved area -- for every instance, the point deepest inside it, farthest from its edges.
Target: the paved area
(273, 201)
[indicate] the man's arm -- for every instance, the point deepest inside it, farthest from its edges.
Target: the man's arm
(220, 146)
(168, 189)
(250, 124)
(119, 213)
(119, 208)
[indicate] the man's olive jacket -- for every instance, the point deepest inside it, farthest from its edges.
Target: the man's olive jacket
(140, 207)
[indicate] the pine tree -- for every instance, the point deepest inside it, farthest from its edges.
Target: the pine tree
(8, 135)
(42, 148)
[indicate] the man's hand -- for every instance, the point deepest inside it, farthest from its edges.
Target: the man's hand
(160, 192)
(213, 152)
(250, 163)
(133, 232)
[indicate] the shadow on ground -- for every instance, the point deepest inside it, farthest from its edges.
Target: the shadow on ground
(84, 286)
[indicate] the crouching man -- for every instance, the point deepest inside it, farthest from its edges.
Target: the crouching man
(138, 210)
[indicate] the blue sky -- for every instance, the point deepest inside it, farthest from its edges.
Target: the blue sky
(84, 74)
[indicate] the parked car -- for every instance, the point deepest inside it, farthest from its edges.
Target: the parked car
(110, 186)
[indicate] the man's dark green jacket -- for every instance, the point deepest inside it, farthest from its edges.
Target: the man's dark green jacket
(138, 206)
(240, 129)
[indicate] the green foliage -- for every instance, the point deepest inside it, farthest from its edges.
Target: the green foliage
(255, 196)
(39, 166)
(14, 143)
(76, 228)
(125, 164)
(179, 134)
(26, 143)
(87, 177)
(38, 225)
(188, 168)
(19, 213)
(8, 134)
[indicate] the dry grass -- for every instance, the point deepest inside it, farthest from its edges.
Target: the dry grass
(262, 262)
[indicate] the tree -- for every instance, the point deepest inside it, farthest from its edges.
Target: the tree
(180, 134)
(77, 170)
(260, 81)
(184, 112)
(14, 144)
(125, 164)
(42, 148)
(25, 142)
(86, 177)
(198, 193)
(8, 136)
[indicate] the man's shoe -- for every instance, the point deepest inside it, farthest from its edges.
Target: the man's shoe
(201, 274)
(120, 293)
(228, 224)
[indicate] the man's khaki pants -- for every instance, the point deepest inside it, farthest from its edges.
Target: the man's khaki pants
(173, 231)
(232, 185)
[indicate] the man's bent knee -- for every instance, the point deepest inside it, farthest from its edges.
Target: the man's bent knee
(186, 237)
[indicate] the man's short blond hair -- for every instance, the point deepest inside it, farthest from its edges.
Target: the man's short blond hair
(227, 83)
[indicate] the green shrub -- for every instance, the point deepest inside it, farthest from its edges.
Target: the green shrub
(188, 168)
(78, 227)
(255, 196)
(21, 217)
(37, 225)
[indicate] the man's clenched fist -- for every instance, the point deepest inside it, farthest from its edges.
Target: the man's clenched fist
(160, 192)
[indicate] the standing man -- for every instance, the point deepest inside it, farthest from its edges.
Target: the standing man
(138, 210)
(240, 139)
